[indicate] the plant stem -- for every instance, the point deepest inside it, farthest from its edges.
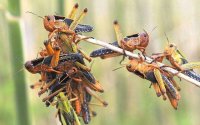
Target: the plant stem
(15, 40)
(148, 60)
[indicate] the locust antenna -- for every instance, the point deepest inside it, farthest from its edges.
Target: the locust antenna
(119, 68)
(153, 30)
(166, 38)
(35, 14)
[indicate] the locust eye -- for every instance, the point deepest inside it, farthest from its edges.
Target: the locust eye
(48, 18)
(145, 35)
(129, 66)
(171, 45)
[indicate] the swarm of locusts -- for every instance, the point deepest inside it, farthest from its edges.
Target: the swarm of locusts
(67, 83)
(162, 81)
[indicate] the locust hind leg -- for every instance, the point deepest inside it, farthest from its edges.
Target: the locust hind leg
(118, 33)
(82, 66)
(85, 55)
(104, 103)
(119, 36)
(78, 19)
(157, 89)
(73, 12)
(177, 85)
(161, 84)
(48, 47)
(55, 58)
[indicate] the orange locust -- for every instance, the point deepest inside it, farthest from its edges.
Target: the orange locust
(157, 77)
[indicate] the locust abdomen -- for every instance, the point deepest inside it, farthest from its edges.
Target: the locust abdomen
(80, 27)
(105, 52)
(192, 74)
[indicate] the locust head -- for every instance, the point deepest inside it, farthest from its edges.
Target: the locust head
(170, 49)
(144, 39)
(29, 66)
(49, 22)
(132, 66)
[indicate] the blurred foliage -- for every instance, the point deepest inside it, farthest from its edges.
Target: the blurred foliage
(130, 99)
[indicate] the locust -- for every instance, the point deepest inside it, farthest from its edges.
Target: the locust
(53, 22)
(178, 61)
(130, 43)
(66, 112)
(158, 78)
(65, 63)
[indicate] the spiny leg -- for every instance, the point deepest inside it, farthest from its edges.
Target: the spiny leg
(73, 12)
(48, 47)
(157, 89)
(160, 80)
(45, 87)
(55, 58)
(78, 19)
(96, 96)
(118, 32)
(53, 94)
(85, 38)
(82, 66)
(175, 84)
(85, 55)
(119, 36)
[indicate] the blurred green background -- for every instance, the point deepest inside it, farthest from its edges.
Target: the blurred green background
(131, 102)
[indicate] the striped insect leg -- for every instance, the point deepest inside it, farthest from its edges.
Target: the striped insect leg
(73, 11)
(157, 89)
(78, 19)
(48, 47)
(55, 58)
(160, 80)
(118, 32)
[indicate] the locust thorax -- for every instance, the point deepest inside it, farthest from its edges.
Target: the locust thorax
(141, 39)
(49, 22)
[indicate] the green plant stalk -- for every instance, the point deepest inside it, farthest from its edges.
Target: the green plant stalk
(16, 50)
(61, 7)
(18, 76)
(14, 7)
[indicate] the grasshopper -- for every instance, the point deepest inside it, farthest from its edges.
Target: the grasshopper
(130, 43)
(178, 61)
(158, 78)
(66, 111)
